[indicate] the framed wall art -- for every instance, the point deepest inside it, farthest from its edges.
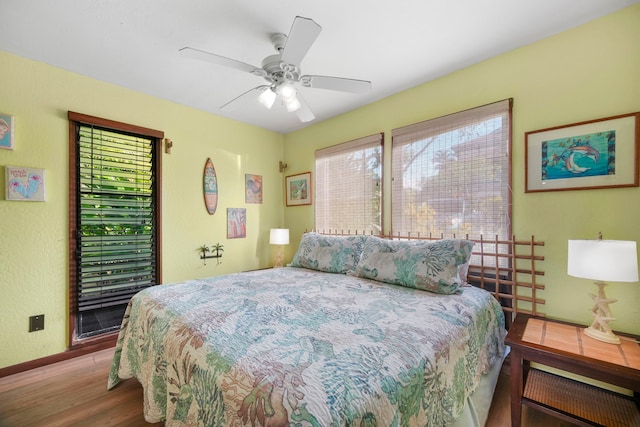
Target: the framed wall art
(25, 184)
(600, 153)
(253, 188)
(298, 189)
(210, 187)
(6, 131)
(236, 223)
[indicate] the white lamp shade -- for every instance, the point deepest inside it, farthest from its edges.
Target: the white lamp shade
(603, 260)
(267, 98)
(289, 98)
(279, 236)
(292, 104)
(287, 91)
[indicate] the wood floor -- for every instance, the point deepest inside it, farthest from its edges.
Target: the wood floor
(74, 393)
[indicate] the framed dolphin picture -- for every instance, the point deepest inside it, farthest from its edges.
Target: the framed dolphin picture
(600, 153)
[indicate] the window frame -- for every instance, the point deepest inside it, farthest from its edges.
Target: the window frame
(77, 119)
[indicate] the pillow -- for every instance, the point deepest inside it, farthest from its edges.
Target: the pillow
(331, 254)
(434, 266)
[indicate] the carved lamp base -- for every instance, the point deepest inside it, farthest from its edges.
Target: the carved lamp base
(600, 329)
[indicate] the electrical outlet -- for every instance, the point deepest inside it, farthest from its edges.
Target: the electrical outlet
(36, 323)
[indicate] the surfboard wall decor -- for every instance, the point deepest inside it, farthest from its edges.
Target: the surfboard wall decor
(210, 187)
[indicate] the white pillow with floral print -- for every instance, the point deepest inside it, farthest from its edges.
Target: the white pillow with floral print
(435, 266)
(332, 254)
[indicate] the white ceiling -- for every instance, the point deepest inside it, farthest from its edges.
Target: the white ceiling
(396, 45)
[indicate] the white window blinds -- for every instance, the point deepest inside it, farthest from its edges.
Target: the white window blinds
(451, 175)
(349, 186)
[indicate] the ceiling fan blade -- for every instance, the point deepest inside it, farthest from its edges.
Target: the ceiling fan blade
(303, 33)
(217, 59)
(336, 83)
(304, 112)
(242, 99)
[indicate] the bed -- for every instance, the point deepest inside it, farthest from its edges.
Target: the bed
(357, 330)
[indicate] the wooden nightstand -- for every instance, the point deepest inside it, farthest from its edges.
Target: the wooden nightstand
(564, 346)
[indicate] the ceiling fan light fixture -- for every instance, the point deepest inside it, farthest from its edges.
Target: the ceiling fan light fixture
(289, 98)
(292, 103)
(267, 98)
(287, 91)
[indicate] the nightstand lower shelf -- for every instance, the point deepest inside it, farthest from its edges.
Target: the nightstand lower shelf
(583, 403)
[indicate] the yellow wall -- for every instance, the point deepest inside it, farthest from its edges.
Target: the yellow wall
(586, 73)
(33, 235)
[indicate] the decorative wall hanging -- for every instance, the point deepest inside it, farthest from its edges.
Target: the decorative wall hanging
(25, 184)
(6, 131)
(236, 223)
(210, 187)
(599, 153)
(253, 188)
(298, 189)
(215, 250)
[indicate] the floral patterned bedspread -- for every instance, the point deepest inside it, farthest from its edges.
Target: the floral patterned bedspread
(290, 346)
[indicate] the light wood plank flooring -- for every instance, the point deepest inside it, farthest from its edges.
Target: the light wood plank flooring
(74, 393)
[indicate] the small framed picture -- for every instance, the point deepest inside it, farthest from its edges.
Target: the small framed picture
(26, 184)
(298, 189)
(253, 188)
(236, 223)
(6, 131)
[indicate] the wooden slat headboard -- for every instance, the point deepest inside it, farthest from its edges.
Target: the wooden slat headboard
(509, 269)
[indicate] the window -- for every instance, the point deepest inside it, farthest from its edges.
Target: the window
(451, 175)
(349, 187)
(113, 220)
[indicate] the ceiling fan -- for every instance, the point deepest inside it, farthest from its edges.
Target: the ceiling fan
(282, 71)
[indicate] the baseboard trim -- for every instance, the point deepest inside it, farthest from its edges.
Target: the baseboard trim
(59, 357)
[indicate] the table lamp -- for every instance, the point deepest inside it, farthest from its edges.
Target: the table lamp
(279, 236)
(600, 260)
